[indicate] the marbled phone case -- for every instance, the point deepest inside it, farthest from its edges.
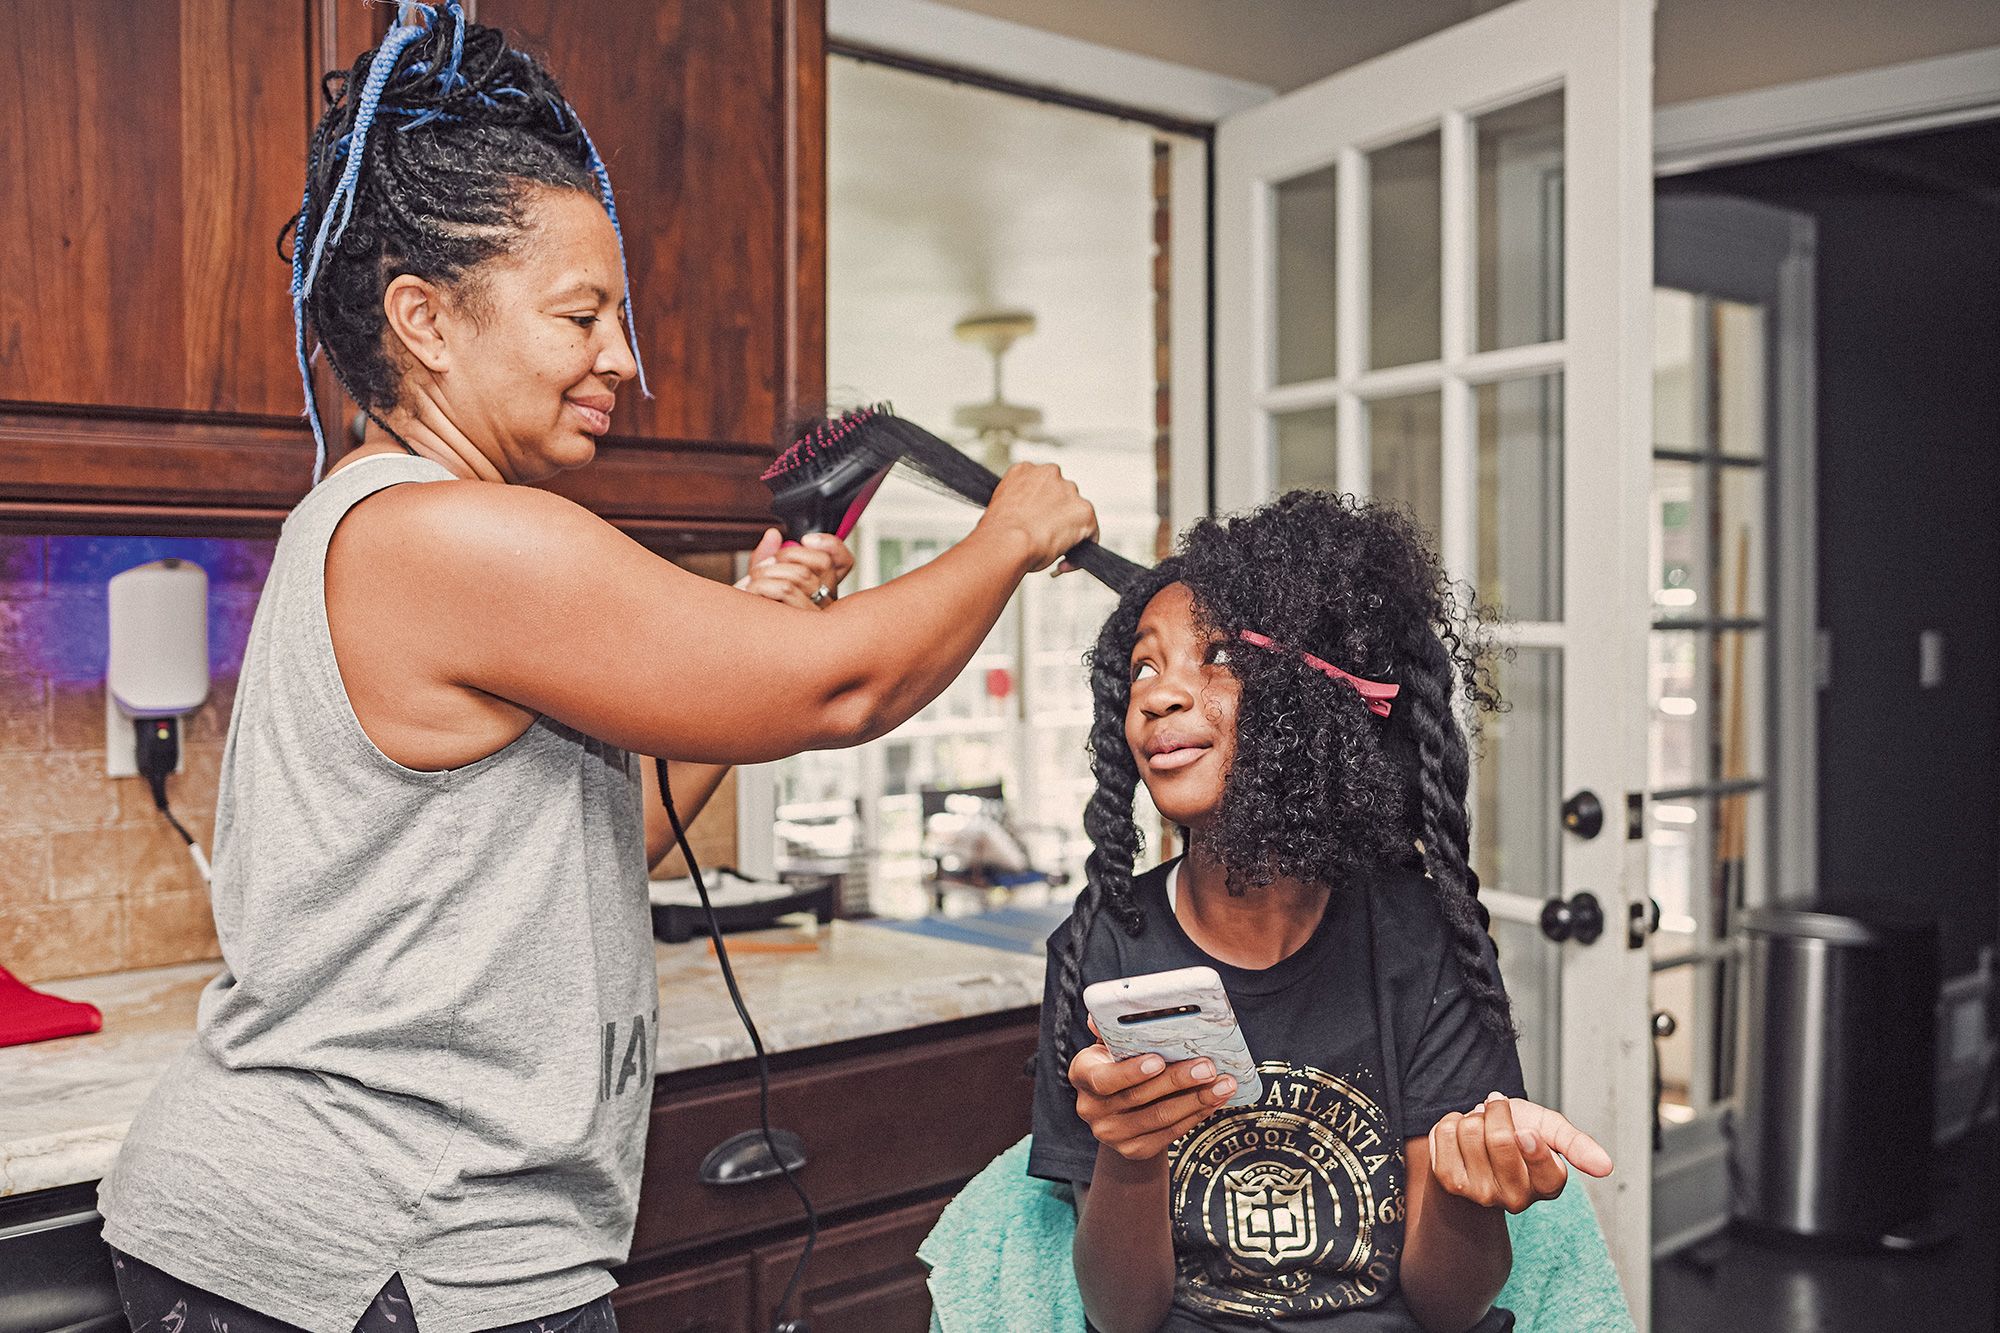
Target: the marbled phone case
(1210, 1031)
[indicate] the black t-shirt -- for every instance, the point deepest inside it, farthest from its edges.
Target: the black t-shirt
(1289, 1214)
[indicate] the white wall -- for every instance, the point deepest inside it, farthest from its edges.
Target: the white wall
(945, 200)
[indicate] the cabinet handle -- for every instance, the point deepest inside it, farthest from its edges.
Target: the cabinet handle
(745, 1159)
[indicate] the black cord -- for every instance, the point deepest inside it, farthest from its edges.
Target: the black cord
(158, 782)
(756, 1044)
(155, 752)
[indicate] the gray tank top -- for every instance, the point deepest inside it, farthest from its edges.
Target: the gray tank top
(430, 1049)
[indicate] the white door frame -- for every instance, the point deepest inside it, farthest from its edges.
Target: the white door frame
(1820, 113)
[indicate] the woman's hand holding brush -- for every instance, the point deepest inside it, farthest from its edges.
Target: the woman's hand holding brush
(804, 574)
(1044, 507)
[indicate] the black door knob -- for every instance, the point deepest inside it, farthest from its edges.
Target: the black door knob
(1583, 815)
(1580, 919)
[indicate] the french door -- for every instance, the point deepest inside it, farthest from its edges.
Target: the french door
(1434, 285)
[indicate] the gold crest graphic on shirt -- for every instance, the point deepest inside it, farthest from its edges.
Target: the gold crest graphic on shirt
(1279, 1208)
(1271, 1212)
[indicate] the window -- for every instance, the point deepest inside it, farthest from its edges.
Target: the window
(997, 269)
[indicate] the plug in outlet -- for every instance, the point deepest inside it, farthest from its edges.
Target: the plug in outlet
(121, 758)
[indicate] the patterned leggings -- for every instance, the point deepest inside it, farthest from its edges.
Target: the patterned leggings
(157, 1302)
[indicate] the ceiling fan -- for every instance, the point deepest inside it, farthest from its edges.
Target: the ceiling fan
(996, 423)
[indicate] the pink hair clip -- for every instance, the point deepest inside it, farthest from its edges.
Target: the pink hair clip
(1375, 693)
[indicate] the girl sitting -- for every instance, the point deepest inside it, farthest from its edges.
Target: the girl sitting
(1283, 687)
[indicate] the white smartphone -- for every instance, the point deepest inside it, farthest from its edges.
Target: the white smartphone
(1179, 1015)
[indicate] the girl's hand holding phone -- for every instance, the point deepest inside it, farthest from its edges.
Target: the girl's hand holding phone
(1509, 1153)
(1138, 1107)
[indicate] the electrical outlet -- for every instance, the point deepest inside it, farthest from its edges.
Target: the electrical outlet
(120, 757)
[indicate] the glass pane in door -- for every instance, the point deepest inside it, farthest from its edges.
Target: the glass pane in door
(1739, 379)
(1680, 724)
(1680, 540)
(1516, 828)
(1740, 544)
(1406, 455)
(1674, 994)
(1305, 448)
(1531, 970)
(1302, 215)
(1516, 837)
(1519, 254)
(1405, 228)
(1678, 411)
(1520, 496)
(1678, 851)
(1737, 727)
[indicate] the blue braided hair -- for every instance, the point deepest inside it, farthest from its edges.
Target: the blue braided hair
(476, 125)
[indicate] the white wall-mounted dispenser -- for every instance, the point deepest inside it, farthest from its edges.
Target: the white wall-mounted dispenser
(158, 667)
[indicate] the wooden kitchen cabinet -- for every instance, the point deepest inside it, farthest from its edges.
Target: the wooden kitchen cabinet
(153, 153)
(716, 1298)
(892, 1129)
(864, 1277)
(147, 378)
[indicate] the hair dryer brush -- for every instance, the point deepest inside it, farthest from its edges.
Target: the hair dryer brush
(822, 482)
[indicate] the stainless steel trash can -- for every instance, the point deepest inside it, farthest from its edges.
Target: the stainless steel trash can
(1839, 1089)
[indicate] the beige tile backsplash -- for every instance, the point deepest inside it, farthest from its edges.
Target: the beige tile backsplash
(91, 877)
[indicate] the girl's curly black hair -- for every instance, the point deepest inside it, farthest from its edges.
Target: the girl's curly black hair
(1320, 789)
(425, 157)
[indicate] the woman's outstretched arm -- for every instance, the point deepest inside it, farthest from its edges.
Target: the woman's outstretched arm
(517, 595)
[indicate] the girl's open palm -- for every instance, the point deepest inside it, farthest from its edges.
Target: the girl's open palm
(1509, 1153)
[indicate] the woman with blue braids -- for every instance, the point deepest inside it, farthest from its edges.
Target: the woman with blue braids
(418, 1092)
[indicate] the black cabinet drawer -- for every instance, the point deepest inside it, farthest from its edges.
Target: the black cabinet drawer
(55, 1272)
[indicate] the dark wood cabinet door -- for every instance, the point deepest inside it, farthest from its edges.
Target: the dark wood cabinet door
(709, 118)
(152, 153)
(715, 1298)
(961, 1101)
(864, 1276)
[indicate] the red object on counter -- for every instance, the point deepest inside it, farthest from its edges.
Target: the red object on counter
(28, 1015)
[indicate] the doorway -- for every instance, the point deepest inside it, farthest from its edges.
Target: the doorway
(1894, 726)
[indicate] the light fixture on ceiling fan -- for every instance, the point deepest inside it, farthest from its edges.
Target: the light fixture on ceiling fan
(996, 422)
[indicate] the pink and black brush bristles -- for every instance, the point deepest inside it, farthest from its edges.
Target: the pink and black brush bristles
(828, 476)
(834, 467)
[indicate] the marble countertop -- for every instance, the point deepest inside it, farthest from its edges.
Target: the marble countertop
(65, 1104)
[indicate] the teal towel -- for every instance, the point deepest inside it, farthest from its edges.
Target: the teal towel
(999, 1256)
(1000, 1261)
(1562, 1277)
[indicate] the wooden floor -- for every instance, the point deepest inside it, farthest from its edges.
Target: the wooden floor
(1741, 1284)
